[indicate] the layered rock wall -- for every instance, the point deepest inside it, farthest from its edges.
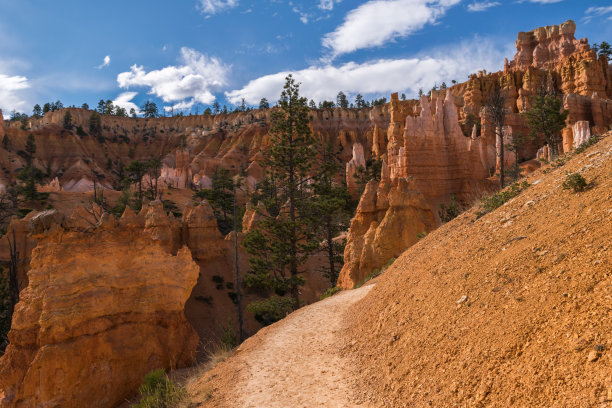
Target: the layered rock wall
(100, 311)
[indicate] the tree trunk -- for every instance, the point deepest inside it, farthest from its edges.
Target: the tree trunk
(500, 154)
(237, 282)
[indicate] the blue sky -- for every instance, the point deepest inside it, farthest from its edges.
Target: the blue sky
(189, 52)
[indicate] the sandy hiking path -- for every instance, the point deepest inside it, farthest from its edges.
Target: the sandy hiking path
(297, 362)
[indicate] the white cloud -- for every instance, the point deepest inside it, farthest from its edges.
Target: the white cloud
(105, 63)
(181, 106)
(196, 78)
(381, 77)
(124, 100)
(543, 1)
(482, 5)
(378, 22)
(327, 4)
(215, 6)
(304, 17)
(10, 93)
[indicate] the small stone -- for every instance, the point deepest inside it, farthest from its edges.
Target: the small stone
(599, 347)
(463, 299)
(593, 356)
(535, 183)
(528, 203)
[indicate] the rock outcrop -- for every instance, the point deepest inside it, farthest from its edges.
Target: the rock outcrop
(390, 216)
(100, 311)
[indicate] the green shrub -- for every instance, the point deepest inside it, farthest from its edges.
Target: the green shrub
(421, 235)
(500, 198)
(22, 212)
(575, 181)
(375, 273)
(229, 340)
(331, 292)
(159, 391)
(449, 211)
(271, 310)
(592, 140)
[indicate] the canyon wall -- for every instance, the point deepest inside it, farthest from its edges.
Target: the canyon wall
(102, 308)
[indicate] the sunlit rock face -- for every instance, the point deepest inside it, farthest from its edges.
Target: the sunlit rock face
(101, 309)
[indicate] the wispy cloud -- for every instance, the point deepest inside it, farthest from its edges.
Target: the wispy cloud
(11, 97)
(214, 6)
(377, 22)
(380, 77)
(592, 12)
(482, 5)
(105, 63)
(327, 4)
(195, 78)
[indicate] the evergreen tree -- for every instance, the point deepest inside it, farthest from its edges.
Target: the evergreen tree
(46, 108)
(85, 106)
(220, 197)
(154, 171)
(605, 50)
(57, 105)
(312, 104)
(67, 122)
(264, 104)
(243, 107)
(420, 93)
(331, 212)
(341, 100)
(546, 117)
(359, 102)
(37, 111)
(216, 107)
(109, 108)
(279, 245)
(207, 111)
(95, 123)
(514, 145)
(136, 171)
(30, 174)
(495, 110)
(101, 105)
(149, 110)
(403, 97)
(133, 113)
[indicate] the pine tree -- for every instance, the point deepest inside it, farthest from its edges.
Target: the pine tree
(279, 245)
(341, 100)
(30, 174)
(331, 212)
(546, 117)
(37, 111)
(67, 120)
(495, 110)
(263, 104)
(220, 198)
(136, 171)
(359, 102)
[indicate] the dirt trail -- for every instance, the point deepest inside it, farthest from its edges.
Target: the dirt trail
(296, 362)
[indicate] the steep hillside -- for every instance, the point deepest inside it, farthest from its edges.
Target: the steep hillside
(513, 308)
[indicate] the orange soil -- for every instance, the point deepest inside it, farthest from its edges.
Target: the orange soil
(510, 309)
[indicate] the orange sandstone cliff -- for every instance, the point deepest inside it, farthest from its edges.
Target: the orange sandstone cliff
(101, 309)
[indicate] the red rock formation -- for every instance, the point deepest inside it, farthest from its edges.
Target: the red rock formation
(389, 218)
(100, 311)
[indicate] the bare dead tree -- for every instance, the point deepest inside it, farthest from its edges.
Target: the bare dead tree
(495, 110)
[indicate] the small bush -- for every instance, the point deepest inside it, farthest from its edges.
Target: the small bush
(450, 211)
(575, 182)
(421, 235)
(592, 140)
(331, 292)
(159, 391)
(229, 340)
(271, 310)
(22, 212)
(500, 198)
